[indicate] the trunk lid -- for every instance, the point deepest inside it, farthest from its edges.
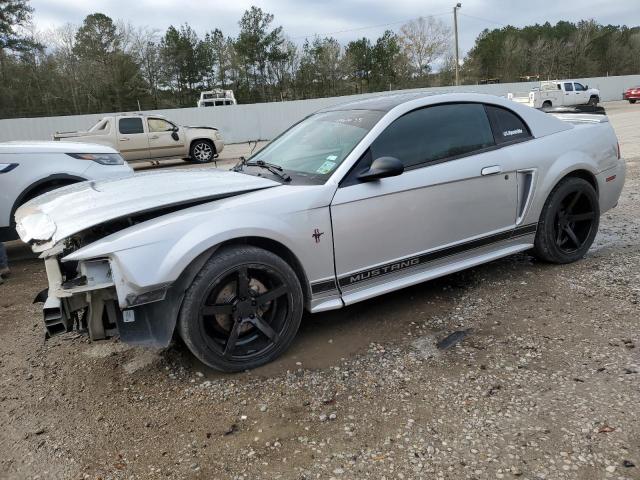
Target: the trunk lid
(56, 215)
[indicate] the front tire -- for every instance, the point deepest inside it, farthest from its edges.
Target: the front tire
(242, 310)
(202, 151)
(568, 222)
(593, 101)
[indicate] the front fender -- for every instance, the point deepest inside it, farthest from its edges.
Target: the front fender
(156, 252)
(163, 261)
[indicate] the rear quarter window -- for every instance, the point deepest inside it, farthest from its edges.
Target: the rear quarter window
(507, 126)
(130, 126)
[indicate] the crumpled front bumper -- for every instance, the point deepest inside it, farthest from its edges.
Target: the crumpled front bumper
(91, 302)
(80, 302)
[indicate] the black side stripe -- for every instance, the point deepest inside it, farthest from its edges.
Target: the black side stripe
(410, 262)
(325, 286)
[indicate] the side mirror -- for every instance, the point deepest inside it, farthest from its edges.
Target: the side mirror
(175, 129)
(175, 135)
(381, 168)
(586, 87)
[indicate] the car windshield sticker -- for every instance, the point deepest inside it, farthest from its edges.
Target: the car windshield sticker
(326, 167)
(332, 157)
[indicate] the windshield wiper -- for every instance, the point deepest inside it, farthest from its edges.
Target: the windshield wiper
(272, 167)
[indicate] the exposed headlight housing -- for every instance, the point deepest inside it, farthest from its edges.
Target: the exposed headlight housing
(101, 158)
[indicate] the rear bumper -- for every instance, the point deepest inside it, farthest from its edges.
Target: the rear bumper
(610, 184)
(630, 96)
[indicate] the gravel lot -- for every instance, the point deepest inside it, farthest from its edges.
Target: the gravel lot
(545, 386)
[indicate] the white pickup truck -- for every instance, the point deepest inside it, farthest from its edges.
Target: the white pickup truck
(139, 136)
(558, 93)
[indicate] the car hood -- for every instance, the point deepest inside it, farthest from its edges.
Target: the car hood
(56, 215)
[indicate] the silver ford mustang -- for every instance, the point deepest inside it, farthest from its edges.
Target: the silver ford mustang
(350, 203)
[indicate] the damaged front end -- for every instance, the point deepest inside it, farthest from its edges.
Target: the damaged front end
(94, 297)
(108, 270)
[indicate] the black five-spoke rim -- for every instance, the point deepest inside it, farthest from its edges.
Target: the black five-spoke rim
(574, 221)
(245, 311)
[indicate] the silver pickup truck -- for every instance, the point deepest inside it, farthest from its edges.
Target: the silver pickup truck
(144, 137)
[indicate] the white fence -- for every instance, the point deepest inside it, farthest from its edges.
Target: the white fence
(263, 121)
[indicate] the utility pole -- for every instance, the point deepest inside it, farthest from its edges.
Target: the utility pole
(455, 28)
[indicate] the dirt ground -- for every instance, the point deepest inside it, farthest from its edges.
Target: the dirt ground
(546, 385)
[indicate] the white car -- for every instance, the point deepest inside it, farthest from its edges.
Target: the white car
(29, 169)
(350, 203)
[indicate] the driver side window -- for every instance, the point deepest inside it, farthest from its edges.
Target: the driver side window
(434, 134)
(159, 125)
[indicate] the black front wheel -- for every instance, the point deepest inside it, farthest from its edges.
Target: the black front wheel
(242, 310)
(568, 222)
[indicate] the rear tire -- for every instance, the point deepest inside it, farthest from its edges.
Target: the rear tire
(242, 310)
(202, 151)
(632, 101)
(546, 104)
(568, 222)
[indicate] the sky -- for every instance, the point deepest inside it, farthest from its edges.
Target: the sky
(346, 20)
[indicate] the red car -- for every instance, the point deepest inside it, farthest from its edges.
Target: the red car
(632, 94)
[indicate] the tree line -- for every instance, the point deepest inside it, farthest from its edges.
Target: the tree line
(563, 50)
(107, 65)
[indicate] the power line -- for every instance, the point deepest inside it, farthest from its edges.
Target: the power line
(368, 27)
(483, 19)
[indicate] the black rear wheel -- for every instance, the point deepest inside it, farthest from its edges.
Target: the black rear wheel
(568, 223)
(242, 310)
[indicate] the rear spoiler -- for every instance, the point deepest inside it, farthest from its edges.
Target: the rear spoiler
(591, 109)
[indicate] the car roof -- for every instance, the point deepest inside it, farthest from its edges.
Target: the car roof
(382, 103)
(540, 123)
(140, 114)
(388, 102)
(18, 147)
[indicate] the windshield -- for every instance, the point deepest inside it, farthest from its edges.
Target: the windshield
(316, 146)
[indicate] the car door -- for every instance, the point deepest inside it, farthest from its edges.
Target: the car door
(133, 142)
(581, 95)
(569, 94)
(165, 138)
(458, 187)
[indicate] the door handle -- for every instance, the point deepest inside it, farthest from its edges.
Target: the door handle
(155, 137)
(491, 170)
(124, 139)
